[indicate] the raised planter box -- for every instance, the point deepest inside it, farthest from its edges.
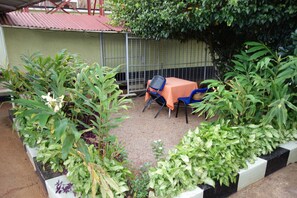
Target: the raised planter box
(52, 190)
(47, 177)
(264, 165)
(253, 173)
(32, 153)
(292, 147)
(52, 180)
(196, 193)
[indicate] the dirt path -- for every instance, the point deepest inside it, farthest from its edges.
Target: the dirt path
(17, 176)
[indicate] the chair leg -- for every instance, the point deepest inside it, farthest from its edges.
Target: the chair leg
(159, 110)
(177, 109)
(186, 113)
(147, 104)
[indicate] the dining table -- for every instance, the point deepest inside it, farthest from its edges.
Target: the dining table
(173, 89)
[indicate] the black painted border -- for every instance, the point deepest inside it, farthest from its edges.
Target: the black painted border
(276, 160)
(44, 174)
(219, 190)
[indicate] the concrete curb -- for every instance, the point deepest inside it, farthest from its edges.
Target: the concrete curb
(51, 187)
(32, 153)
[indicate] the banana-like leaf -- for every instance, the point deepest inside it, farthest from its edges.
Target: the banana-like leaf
(67, 145)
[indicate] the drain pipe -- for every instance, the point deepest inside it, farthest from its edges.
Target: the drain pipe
(102, 62)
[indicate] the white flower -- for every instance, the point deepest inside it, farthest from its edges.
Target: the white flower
(57, 108)
(55, 104)
(47, 97)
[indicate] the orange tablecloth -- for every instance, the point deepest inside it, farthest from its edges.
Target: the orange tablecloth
(175, 88)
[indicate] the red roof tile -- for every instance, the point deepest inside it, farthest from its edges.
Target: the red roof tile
(63, 22)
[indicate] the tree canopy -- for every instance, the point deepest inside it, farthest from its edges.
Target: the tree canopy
(224, 25)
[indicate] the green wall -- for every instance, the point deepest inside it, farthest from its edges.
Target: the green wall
(143, 54)
(167, 54)
(27, 41)
(114, 52)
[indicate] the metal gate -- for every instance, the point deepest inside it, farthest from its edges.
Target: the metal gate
(143, 62)
(169, 58)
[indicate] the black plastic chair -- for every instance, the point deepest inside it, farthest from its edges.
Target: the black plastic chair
(157, 84)
(189, 100)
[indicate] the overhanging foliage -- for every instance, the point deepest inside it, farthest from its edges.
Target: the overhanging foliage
(223, 25)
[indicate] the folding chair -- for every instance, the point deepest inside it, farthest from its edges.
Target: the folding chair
(157, 84)
(191, 99)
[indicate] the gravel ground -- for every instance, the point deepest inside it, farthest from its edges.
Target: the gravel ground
(141, 129)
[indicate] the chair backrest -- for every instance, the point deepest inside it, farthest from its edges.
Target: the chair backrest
(158, 82)
(202, 91)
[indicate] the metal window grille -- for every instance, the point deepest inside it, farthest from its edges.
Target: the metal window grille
(141, 59)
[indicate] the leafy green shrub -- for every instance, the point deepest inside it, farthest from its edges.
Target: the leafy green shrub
(67, 108)
(96, 176)
(40, 74)
(223, 25)
(50, 153)
(158, 149)
(213, 152)
(230, 100)
(29, 130)
(140, 183)
(96, 94)
(260, 89)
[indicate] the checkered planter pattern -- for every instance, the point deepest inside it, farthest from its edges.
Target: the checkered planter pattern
(263, 166)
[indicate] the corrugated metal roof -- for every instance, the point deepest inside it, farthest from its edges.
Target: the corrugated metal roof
(63, 22)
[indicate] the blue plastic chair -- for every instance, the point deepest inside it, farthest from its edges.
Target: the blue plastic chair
(157, 84)
(189, 100)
